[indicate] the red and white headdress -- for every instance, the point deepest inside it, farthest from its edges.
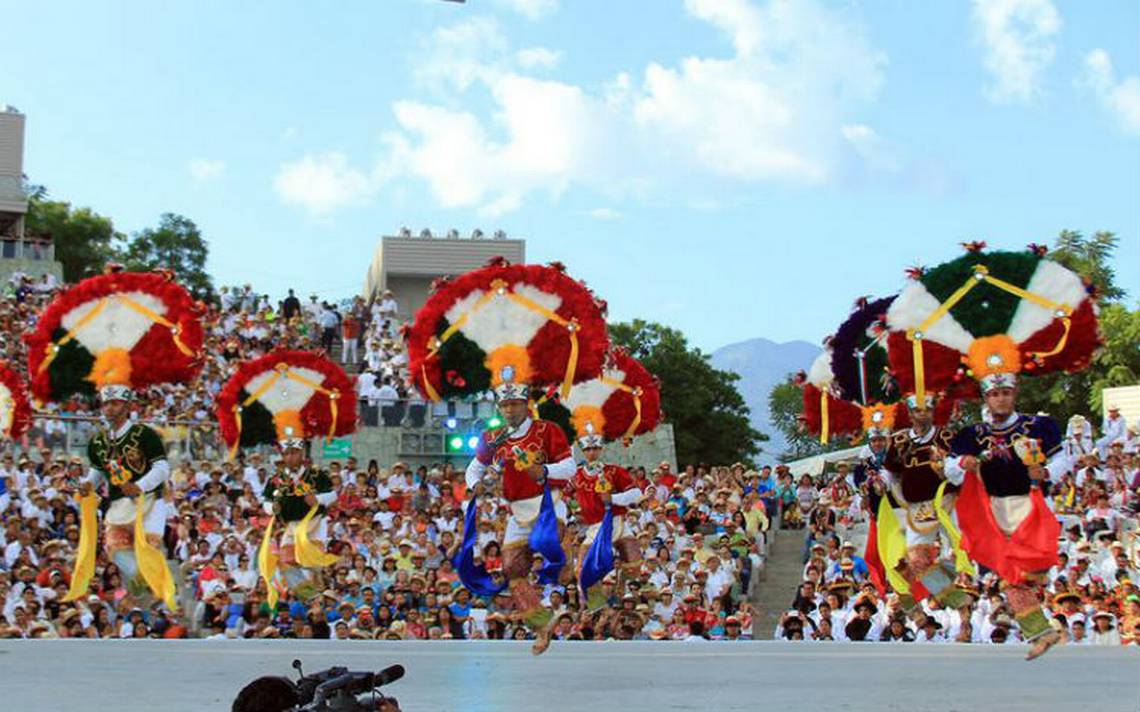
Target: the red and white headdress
(505, 328)
(286, 397)
(624, 401)
(15, 412)
(112, 333)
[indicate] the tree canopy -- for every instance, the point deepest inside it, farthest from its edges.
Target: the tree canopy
(84, 240)
(176, 244)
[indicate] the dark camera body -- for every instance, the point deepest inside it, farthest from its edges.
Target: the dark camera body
(336, 689)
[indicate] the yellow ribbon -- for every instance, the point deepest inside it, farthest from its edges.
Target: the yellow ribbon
(151, 561)
(284, 371)
(961, 559)
(823, 417)
(267, 564)
(53, 348)
(982, 274)
(501, 288)
(309, 554)
(636, 393)
(892, 545)
(431, 392)
(86, 554)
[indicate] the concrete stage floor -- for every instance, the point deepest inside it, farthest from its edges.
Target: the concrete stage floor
(198, 676)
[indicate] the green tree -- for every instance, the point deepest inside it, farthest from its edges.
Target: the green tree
(84, 240)
(785, 407)
(176, 244)
(709, 417)
(1091, 258)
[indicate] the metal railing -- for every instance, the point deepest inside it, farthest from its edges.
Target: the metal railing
(69, 435)
(193, 440)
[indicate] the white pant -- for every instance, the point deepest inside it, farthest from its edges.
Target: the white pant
(593, 529)
(348, 354)
(524, 513)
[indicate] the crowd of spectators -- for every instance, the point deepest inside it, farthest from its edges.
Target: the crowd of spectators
(395, 529)
(1092, 592)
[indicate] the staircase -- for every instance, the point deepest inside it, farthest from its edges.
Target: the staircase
(776, 588)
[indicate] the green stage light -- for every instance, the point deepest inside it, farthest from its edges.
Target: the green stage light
(494, 421)
(455, 443)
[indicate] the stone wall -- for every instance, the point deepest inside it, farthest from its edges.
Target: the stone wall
(32, 268)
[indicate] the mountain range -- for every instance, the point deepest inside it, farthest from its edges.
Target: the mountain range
(762, 364)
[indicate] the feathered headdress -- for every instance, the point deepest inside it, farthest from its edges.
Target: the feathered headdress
(115, 332)
(624, 401)
(990, 316)
(506, 327)
(15, 412)
(286, 397)
(859, 355)
(826, 415)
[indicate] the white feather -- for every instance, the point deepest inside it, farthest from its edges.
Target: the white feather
(503, 320)
(914, 305)
(285, 393)
(593, 392)
(7, 408)
(1053, 282)
(820, 374)
(117, 325)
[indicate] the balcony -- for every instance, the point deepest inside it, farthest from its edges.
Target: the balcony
(28, 248)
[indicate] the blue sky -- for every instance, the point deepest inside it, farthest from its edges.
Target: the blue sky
(735, 168)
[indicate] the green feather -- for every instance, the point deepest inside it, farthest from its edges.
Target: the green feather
(257, 426)
(70, 368)
(987, 309)
(463, 356)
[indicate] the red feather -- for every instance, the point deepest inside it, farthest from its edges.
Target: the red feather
(843, 417)
(21, 410)
(1080, 346)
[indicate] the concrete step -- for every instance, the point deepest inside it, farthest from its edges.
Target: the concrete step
(777, 587)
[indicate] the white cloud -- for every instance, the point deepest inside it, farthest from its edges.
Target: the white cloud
(204, 169)
(774, 109)
(605, 214)
(1019, 39)
(531, 9)
(538, 57)
(1120, 98)
(324, 183)
(878, 153)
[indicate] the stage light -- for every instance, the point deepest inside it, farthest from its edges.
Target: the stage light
(494, 421)
(473, 442)
(451, 423)
(455, 443)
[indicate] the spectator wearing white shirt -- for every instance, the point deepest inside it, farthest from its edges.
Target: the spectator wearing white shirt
(388, 307)
(1115, 429)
